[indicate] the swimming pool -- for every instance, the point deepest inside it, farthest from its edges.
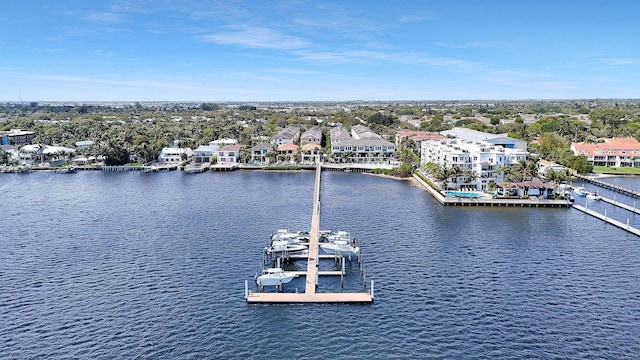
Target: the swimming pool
(463, 194)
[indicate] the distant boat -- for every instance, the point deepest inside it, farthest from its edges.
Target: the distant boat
(568, 196)
(66, 170)
(593, 196)
(274, 277)
(580, 191)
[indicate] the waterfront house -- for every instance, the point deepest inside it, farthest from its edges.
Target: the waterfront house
(229, 154)
(311, 136)
(287, 152)
(288, 135)
(481, 158)
(611, 152)
(310, 153)
(494, 139)
(260, 153)
(54, 155)
(175, 155)
(204, 154)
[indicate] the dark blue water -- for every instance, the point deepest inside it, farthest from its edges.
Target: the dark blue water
(121, 265)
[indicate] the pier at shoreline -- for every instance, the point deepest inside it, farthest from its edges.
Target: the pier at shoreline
(310, 294)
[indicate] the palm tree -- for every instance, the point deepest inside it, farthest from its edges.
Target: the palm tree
(469, 175)
(442, 174)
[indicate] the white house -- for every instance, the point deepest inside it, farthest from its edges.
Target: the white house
(30, 154)
(229, 154)
(259, 153)
(175, 155)
(204, 153)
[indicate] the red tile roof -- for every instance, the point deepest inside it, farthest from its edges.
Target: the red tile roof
(610, 147)
(288, 147)
(310, 147)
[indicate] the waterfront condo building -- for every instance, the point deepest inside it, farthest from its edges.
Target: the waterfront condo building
(365, 147)
(481, 157)
(614, 152)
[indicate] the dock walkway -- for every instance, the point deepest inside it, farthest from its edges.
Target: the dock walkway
(608, 220)
(621, 205)
(606, 185)
(311, 282)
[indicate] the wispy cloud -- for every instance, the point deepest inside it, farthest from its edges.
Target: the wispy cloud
(292, 71)
(415, 17)
(374, 57)
(124, 83)
(473, 44)
(255, 37)
(620, 61)
(104, 17)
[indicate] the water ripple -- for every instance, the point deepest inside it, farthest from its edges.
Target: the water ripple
(143, 266)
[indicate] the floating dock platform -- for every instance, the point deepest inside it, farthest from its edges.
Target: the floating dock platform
(311, 282)
(609, 220)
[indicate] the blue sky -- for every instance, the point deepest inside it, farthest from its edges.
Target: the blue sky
(296, 50)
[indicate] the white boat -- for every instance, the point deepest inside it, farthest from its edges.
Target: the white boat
(340, 247)
(292, 237)
(284, 246)
(593, 196)
(580, 191)
(274, 277)
(327, 236)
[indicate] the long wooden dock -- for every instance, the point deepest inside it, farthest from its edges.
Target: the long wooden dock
(311, 282)
(609, 220)
(621, 205)
(606, 185)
